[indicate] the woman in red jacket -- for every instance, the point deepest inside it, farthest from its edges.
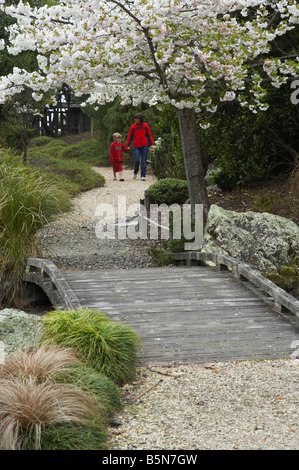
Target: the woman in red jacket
(142, 138)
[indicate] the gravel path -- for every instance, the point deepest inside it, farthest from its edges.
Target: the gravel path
(244, 405)
(71, 241)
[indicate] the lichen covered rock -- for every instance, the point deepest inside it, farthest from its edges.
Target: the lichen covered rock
(18, 330)
(263, 240)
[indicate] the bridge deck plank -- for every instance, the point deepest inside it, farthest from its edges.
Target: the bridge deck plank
(188, 315)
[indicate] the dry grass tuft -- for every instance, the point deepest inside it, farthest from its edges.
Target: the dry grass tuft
(27, 407)
(29, 401)
(42, 363)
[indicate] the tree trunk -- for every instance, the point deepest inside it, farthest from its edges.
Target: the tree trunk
(192, 158)
(25, 153)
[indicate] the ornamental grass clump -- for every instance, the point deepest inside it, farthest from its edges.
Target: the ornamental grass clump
(73, 436)
(107, 346)
(40, 364)
(106, 392)
(27, 408)
(34, 408)
(27, 203)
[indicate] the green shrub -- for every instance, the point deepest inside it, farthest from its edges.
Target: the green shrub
(109, 347)
(56, 161)
(54, 148)
(169, 191)
(86, 151)
(80, 173)
(62, 181)
(245, 146)
(71, 175)
(72, 151)
(167, 159)
(226, 180)
(160, 256)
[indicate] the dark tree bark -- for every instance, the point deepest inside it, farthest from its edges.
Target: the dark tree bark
(192, 158)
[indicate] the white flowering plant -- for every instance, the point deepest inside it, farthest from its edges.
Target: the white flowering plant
(191, 54)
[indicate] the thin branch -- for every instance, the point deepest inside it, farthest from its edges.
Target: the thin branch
(145, 31)
(53, 20)
(162, 373)
(278, 140)
(272, 20)
(148, 390)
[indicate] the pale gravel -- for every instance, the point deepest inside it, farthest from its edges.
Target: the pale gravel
(246, 405)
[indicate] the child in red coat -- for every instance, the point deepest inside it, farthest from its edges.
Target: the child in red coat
(116, 156)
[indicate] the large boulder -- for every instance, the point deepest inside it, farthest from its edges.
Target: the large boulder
(263, 240)
(18, 331)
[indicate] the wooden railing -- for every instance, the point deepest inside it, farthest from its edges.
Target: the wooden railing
(46, 275)
(283, 301)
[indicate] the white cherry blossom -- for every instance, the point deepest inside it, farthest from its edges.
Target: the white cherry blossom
(159, 51)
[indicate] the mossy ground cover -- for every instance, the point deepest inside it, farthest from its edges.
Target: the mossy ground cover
(68, 166)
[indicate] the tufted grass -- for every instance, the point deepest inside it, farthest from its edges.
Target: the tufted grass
(74, 436)
(41, 364)
(27, 203)
(106, 392)
(107, 346)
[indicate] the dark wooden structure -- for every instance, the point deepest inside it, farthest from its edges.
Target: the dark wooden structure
(65, 117)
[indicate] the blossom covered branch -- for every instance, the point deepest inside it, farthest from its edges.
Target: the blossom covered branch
(191, 54)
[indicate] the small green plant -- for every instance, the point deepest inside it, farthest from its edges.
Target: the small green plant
(160, 256)
(269, 202)
(169, 191)
(287, 277)
(73, 436)
(107, 346)
(225, 181)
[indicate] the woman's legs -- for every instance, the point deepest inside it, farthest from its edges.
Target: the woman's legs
(137, 153)
(143, 161)
(140, 152)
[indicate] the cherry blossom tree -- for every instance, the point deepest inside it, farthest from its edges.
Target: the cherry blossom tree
(191, 54)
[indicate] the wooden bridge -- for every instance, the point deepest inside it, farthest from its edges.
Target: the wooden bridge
(213, 309)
